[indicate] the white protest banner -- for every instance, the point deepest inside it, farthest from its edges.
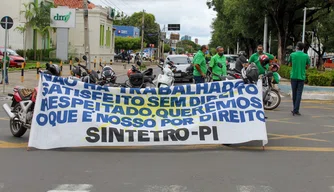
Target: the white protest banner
(72, 114)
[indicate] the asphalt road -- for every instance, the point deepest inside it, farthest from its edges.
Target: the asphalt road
(298, 158)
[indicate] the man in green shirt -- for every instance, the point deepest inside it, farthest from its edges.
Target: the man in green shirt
(218, 64)
(300, 61)
(4, 70)
(200, 67)
(256, 59)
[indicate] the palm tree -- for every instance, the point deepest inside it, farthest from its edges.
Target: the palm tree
(28, 15)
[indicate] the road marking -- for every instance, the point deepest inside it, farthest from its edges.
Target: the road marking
(251, 188)
(279, 136)
(328, 126)
(317, 107)
(166, 188)
(289, 148)
(72, 188)
(7, 145)
(4, 119)
(310, 101)
(2, 185)
(279, 121)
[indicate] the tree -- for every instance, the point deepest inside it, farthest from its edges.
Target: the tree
(28, 14)
(166, 48)
(127, 43)
(284, 15)
(323, 36)
(187, 45)
(151, 28)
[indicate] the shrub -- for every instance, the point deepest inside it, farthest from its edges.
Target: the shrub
(30, 53)
(285, 71)
(320, 79)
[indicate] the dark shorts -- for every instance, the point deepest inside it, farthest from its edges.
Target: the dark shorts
(199, 79)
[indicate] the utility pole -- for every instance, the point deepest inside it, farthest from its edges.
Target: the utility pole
(163, 44)
(86, 32)
(265, 36)
(142, 37)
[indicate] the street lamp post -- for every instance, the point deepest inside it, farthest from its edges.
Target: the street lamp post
(304, 23)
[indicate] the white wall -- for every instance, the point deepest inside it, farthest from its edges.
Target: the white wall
(96, 17)
(13, 8)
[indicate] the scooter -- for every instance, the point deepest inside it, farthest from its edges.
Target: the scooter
(21, 110)
(166, 79)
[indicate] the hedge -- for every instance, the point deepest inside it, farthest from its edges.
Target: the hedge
(313, 76)
(30, 53)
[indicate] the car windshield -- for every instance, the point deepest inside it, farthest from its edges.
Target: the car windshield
(11, 52)
(232, 58)
(179, 60)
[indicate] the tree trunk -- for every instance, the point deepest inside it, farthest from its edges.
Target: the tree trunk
(281, 47)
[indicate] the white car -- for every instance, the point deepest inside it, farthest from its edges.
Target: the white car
(182, 63)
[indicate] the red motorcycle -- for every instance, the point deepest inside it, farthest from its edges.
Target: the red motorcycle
(21, 110)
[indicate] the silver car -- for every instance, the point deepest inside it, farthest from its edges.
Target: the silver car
(183, 66)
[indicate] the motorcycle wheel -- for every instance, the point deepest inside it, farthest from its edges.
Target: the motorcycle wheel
(274, 101)
(15, 124)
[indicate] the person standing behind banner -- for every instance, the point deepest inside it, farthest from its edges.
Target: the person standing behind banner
(300, 61)
(218, 64)
(256, 59)
(200, 67)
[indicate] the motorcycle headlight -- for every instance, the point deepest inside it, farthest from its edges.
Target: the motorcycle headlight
(170, 74)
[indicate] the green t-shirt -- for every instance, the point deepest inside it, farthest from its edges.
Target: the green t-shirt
(2, 61)
(299, 60)
(255, 58)
(215, 68)
(199, 59)
(276, 77)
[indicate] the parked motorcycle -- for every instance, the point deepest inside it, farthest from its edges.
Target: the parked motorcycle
(108, 76)
(21, 109)
(138, 79)
(271, 96)
(166, 79)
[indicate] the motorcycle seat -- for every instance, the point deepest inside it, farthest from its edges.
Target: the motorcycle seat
(25, 92)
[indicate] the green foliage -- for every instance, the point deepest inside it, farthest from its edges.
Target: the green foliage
(320, 79)
(151, 28)
(187, 45)
(127, 43)
(285, 71)
(244, 19)
(166, 48)
(30, 53)
(313, 76)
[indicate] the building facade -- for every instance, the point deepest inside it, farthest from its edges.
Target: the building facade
(101, 30)
(196, 41)
(13, 9)
(126, 31)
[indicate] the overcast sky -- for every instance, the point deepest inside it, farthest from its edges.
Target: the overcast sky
(193, 15)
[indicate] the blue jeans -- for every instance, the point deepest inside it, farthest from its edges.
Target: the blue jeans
(6, 79)
(199, 79)
(297, 87)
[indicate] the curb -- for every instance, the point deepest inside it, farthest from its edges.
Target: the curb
(311, 92)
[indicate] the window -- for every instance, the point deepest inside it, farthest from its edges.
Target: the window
(108, 37)
(101, 35)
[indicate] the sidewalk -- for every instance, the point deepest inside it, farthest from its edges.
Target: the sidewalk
(31, 80)
(309, 92)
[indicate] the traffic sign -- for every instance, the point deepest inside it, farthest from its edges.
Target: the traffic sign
(6, 20)
(174, 27)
